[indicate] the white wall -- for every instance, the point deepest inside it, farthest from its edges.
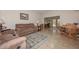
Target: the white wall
(12, 17)
(65, 16)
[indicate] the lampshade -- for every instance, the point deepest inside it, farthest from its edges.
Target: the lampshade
(37, 21)
(2, 21)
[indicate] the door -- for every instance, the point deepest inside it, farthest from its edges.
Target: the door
(53, 22)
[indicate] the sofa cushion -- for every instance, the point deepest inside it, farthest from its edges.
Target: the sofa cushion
(7, 37)
(20, 41)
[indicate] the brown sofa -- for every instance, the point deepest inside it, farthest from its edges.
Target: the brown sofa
(25, 29)
(8, 41)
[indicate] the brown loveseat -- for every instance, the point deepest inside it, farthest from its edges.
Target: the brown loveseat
(9, 41)
(25, 29)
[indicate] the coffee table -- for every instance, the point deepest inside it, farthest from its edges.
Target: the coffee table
(35, 40)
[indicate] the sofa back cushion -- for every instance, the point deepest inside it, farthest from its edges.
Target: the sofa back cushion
(24, 25)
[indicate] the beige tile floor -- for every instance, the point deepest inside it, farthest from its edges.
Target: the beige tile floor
(57, 41)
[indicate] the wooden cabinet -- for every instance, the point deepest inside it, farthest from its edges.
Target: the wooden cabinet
(68, 30)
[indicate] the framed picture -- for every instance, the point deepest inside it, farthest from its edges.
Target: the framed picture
(24, 16)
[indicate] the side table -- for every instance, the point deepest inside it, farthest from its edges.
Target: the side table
(39, 28)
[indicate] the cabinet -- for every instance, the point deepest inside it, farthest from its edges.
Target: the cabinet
(68, 30)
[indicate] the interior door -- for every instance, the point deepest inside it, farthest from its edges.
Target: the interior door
(53, 21)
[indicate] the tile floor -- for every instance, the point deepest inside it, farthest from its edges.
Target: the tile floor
(57, 41)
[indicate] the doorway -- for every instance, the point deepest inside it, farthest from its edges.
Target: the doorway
(52, 23)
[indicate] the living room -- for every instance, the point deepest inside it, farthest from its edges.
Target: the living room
(14, 21)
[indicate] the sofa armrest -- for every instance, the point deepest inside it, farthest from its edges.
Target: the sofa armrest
(13, 43)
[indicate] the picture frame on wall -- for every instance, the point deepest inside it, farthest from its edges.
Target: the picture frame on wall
(24, 16)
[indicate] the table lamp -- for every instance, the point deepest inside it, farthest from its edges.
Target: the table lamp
(2, 21)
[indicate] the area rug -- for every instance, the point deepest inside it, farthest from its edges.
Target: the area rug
(35, 40)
